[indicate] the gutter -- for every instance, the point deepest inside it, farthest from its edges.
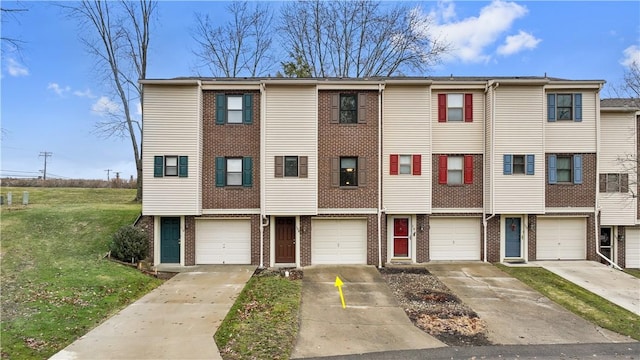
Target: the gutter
(486, 219)
(263, 216)
(380, 209)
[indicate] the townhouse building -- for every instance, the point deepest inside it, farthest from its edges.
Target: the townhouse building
(298, 172)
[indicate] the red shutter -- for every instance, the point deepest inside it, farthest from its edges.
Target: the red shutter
(417, 164)
(468, 169)
(393, 162)
(442, 169)
(442, 107)
(468, 107)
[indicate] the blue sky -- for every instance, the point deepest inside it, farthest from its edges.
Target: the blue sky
(50, 91)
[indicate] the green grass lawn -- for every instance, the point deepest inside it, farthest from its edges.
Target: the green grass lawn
(263, 322)
(634, 272)
(56, 286)
(578, 300)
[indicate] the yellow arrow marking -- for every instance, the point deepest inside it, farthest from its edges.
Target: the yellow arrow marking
(339, 284)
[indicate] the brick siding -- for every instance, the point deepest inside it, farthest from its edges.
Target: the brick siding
(572, 195)
(493, 239)
(620, 247)
(457, 196)
(229, 140)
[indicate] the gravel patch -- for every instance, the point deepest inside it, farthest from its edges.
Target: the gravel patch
(433, 308)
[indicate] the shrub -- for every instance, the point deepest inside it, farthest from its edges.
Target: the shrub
(129, 244)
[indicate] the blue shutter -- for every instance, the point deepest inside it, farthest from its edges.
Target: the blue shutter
(247, 172)
(577, 107)
(551, 107)
(577, 169)
(553, 170)
(158, 166)
(183, 166)
(220, 180)
(221, 109)
(247, 108)
(506, 166)
(531, 164)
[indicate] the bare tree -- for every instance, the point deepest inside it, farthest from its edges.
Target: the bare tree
(9, 43)
(360, 38)
(239, 47)
(117, 34)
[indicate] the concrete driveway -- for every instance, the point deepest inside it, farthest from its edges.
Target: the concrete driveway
(616, 286)
(175, 321)
(372, 320)
(515, 313)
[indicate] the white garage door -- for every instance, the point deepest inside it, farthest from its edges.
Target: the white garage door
(632, 248)
(454, 238)
(561, 239)
(223, 241)
(338, 242)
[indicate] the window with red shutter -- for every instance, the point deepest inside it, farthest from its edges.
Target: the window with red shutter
(442, 169)
(442, 107)
(417, 164)
(468, 107)
(468, 169)
(393, 162)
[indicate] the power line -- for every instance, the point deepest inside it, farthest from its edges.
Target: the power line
(45, 154)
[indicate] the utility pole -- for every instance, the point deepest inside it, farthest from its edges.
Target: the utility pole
(45, 154)
(108, 171)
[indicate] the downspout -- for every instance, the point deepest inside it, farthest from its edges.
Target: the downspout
(380, 210)
(485, 219)
(597, 209)
(263, 217)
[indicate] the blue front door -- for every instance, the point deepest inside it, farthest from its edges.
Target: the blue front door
(170, 240)
(512, 237)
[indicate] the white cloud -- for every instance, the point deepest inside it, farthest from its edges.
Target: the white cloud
(138, 108)
(104, 106)
(87, 93)
(59, 90)
(471, 36)
(515, 43)
(631, 55)
(15, 68)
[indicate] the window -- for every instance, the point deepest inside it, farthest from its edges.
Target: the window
(455, 170)
(519, 164)
(564, 107)
(348, 171)
(455, 107)
(405, 164)
(234, 109)
(291, 166)
(349, 108)
(234, 171)
(170, 165)
(564, 169)
(614, 183)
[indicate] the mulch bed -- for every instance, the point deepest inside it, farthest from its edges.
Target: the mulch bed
(432, 307)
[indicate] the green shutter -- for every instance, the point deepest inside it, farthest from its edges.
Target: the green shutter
(577, 104)
(553, 170)
(247, 172)
(247, 108)
(183, 166)
(158, 166)
(220, 180)
(551, 107)
(221, 109)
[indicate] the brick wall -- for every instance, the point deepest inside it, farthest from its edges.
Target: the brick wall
(229, 140)
(335, 140)
(305, 241)
(531, 233)
(457, 196)
(620, 247)
(493, 239)
(565, 195)
(422, 238)
(189, 241)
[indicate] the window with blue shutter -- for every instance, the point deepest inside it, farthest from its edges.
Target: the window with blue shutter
(506, 166)
(158, 166)
(552, 170)
(247, 172)
(564, 107)
(531, 164)
(221, 109)
(577, 169)
(247, 111)
(220, 172)
(183, 169)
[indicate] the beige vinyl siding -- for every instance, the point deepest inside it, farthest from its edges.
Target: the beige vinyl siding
(570, 136)
(406, 131)
(519, 131)
(291, 129)
(172, 126)
(617, 139)
(458, 137)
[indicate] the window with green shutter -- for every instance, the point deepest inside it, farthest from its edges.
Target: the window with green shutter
(234, 109)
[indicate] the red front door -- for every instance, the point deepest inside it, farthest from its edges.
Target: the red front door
(285, 240)
(401, 237)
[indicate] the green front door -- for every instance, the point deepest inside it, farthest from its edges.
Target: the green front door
(170, 240)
